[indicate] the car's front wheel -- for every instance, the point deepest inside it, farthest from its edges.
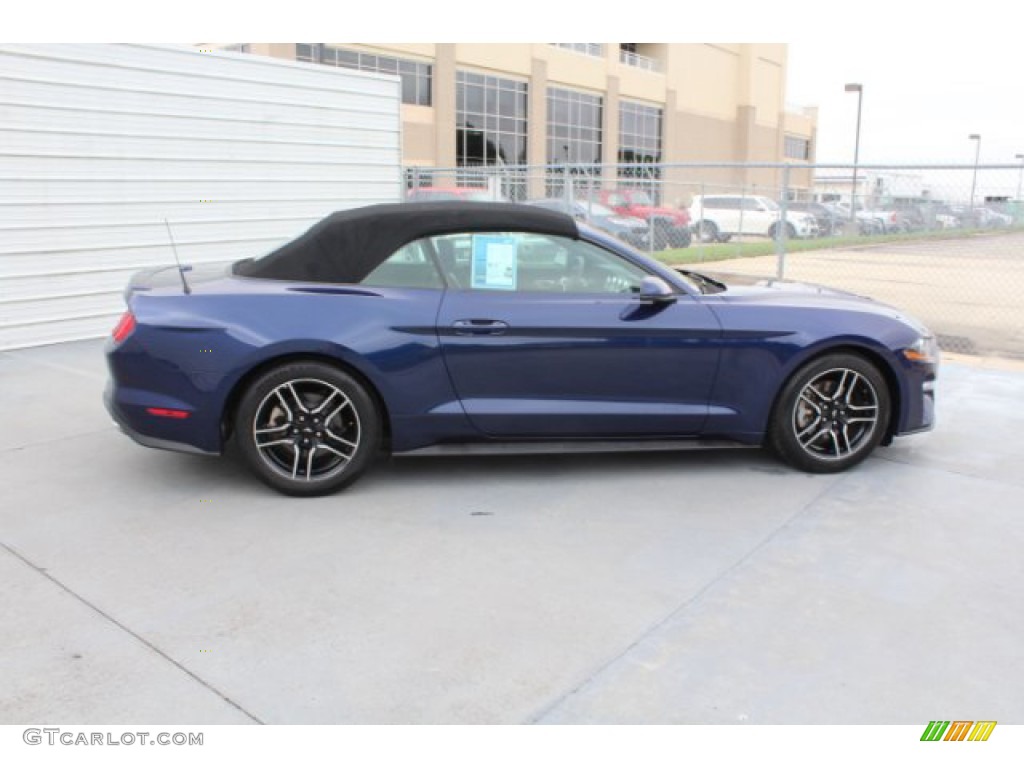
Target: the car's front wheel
(679, 237)
(775, 231)
(307, 428)
(660, 236)
(830, 414)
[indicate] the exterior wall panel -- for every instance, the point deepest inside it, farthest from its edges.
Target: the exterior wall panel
(707, 80)
(100, 143)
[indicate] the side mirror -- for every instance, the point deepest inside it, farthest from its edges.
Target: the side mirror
(654, 290)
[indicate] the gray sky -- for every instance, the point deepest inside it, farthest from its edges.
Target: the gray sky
(922, 95)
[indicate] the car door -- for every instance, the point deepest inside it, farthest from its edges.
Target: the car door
(544, 337)
(757, 220)
(729, 217)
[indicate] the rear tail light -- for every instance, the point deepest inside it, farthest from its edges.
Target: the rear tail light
(124, 327)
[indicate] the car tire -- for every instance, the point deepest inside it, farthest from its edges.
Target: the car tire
(707, 232)
(307, 428)
(830, 414)
(773, 231)
(660, 235)
(670, 236)
(680, 238)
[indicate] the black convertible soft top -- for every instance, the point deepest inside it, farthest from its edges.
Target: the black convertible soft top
(347, 246)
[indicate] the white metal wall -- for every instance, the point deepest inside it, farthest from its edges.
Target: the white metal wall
(100, 143)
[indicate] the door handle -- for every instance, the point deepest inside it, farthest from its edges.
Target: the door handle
(479, 327)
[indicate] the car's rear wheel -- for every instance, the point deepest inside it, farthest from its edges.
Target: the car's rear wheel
(830, 414)
(707, 232)
(307, 428)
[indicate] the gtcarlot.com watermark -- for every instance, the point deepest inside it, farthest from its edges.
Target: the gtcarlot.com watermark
(54, 736)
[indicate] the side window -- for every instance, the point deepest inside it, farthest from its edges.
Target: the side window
(521, 261)
(408, 267)
(752, 204)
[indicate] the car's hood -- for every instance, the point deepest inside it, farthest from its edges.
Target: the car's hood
(770, 291)
(769, 286)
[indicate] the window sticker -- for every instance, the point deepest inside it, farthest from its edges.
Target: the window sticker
(494, 262)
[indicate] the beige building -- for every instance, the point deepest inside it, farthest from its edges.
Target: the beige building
(467, 104)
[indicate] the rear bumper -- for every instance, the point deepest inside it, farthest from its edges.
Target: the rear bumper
(139, 381)
(148, 440)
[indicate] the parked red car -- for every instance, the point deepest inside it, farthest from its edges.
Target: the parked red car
(671, 225)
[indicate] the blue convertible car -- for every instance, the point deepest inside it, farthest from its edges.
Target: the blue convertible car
(472, 326)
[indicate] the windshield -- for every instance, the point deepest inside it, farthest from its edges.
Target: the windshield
(639, 197)
(652, 266)
(771, 205)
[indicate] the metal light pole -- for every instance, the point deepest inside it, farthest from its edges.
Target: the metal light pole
(859, 90)
(975, 137)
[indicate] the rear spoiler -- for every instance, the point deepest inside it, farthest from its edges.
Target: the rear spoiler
(147, 279)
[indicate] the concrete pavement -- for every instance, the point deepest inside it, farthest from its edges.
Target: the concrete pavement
(142, 586)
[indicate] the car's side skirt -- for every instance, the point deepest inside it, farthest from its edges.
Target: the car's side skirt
(570, 446)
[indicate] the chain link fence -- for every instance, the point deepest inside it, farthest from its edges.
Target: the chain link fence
(943, 242)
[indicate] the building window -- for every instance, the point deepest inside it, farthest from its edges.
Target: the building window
(237, 47)
(640, 144)
(490, 120)
(639, 133)
(590, 49)
(797, 148)
(574, 137)
(574, 127)
(416, 76)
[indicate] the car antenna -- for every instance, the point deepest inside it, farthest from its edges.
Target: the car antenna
(181, 270)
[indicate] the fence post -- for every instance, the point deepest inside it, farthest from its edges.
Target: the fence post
(699, 227)
(780, 230)
(743, 198)
(652, 245)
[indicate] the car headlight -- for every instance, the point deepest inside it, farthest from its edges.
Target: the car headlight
(924, 350)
